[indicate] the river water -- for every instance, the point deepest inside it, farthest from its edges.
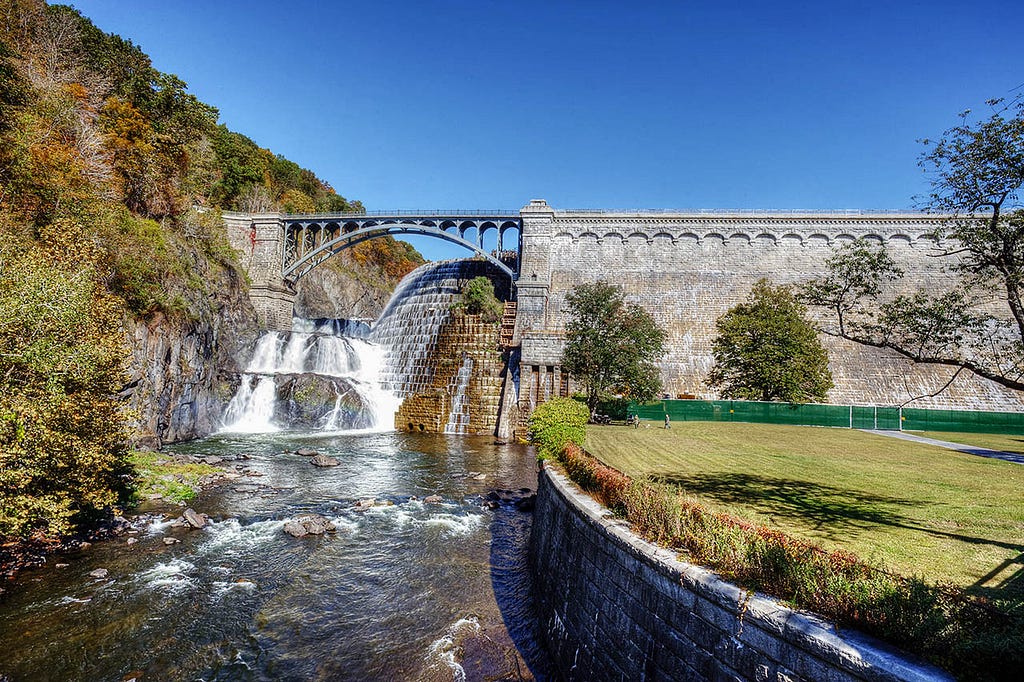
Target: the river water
(406, 591)
(403, 590)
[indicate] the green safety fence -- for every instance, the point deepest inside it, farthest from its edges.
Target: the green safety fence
(848, 416)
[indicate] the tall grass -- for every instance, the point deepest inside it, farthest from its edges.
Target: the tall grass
(963, 634)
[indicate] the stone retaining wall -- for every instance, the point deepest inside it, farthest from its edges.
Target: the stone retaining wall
(614, 607)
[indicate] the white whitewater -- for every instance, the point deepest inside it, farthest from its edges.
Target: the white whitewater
(382, 365)
(458, 419)
(310, 349)
(409, 325)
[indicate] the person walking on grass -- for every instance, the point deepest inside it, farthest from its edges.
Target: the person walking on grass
(668, 422)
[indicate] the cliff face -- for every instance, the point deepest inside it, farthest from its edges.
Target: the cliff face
(183, 372)
(333, 292)
(357, 282)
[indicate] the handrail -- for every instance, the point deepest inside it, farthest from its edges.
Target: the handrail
(433, 213)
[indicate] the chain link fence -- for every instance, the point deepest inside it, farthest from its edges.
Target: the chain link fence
(844, 416)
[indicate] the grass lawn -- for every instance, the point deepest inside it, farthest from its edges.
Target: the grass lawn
(992, 441)
(912, 508)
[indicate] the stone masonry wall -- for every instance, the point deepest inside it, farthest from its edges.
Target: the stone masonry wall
(463, 335)
(613, 607)
(258, 239)
(688, 269)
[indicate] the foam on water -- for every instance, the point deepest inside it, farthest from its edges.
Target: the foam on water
(452, 524)
(233, 537)
(447, 649)
(173, 574)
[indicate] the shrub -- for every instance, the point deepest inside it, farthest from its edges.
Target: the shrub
(556, 423)
(62, 430)
(479, 298)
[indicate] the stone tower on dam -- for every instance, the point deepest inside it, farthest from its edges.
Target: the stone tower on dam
(687, 268)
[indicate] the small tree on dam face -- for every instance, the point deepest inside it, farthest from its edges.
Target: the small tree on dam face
(767, 350)
(479, 299)
(611, 346)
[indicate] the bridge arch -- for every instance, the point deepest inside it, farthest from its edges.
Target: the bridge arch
(308, 244)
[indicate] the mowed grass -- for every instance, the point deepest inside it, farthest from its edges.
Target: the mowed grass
(992, 441)
(910, 508)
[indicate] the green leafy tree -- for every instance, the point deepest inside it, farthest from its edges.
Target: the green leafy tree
(767, 350)
(856, 271)
(976, 171)
(611, 346)
(479, 299)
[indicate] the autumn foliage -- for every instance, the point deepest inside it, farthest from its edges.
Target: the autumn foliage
(112, 178)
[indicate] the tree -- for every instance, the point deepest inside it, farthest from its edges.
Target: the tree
(63, 451)
(977, 170)
(767, 350)
(611, 345)
(855, 271)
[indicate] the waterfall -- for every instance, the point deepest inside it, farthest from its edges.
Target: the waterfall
(409, 325)
(340, 374)
(458, 418)
(314, 377)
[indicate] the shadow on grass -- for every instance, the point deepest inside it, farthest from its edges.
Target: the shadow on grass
(837, 512)
(834, 512)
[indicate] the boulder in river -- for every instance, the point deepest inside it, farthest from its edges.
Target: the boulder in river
(324, 461)
(194, 518)
(308, 524)
(433, 499)
(306, 452)
(314, 400)
(99, 573)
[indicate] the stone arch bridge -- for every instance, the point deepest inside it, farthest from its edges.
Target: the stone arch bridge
(278, 250)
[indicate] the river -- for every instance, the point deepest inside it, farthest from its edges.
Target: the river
(403, 591)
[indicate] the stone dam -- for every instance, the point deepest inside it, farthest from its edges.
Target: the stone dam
(685, 268)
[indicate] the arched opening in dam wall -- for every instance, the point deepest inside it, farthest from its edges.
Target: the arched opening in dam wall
(613, 606)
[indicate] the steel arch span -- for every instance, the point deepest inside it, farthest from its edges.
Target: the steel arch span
(311, 240)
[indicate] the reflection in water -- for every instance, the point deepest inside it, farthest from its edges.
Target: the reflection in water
(405, 590)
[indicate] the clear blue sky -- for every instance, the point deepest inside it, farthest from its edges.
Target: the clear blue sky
(590, 104)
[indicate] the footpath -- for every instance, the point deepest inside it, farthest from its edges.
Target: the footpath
(960, 447)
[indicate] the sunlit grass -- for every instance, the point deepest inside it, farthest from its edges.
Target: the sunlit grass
(911, 508)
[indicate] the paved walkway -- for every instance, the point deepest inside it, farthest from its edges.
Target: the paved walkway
(960, 447)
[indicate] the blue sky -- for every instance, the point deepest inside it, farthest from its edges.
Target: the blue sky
(486, 105)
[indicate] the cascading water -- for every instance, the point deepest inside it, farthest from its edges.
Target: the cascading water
(314, 377)
(459, 416)
(339, 374)
(409, 325)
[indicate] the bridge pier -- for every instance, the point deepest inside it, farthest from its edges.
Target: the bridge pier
(259, 240)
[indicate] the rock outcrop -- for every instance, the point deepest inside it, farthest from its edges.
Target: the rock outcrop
(184, 371)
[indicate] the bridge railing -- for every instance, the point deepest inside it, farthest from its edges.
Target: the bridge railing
(433, 213)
